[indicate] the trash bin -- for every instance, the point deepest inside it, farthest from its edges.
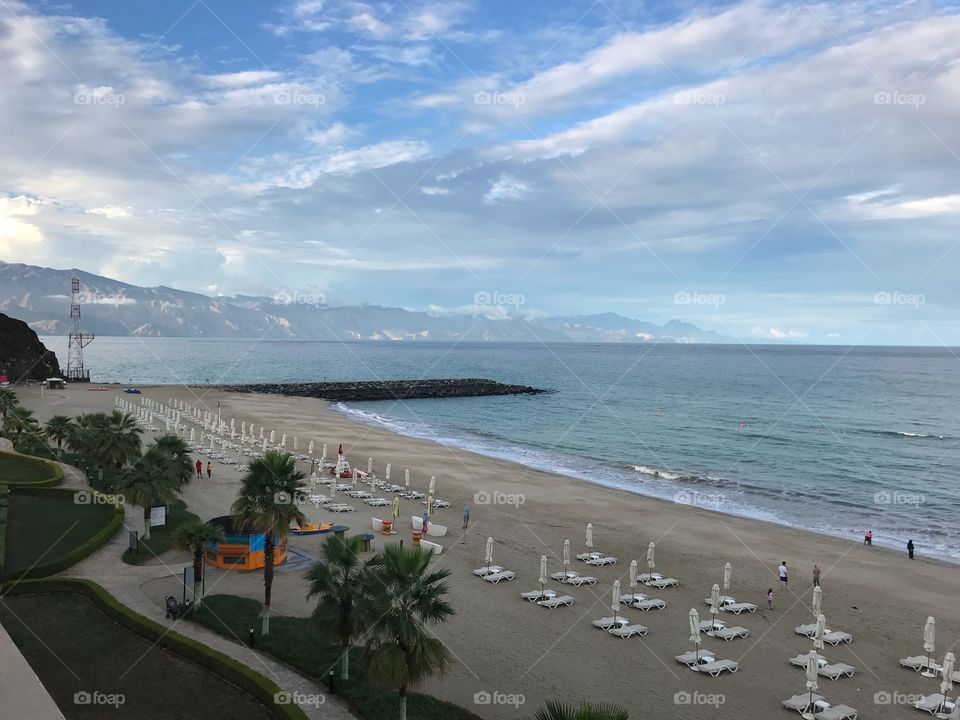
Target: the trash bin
(367, 538)
(339, 530)
(417, 534)
(387, 527)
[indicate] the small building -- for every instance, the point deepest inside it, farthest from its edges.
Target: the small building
(242, 548)
(56, 383)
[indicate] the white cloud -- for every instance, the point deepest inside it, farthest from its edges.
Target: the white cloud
(773, 333)
(242, 79)
(506, 187)
(111, 212)
(434, 190)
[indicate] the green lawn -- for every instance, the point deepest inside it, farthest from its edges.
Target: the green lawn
(161, 539)
(16, 470)
(74, 648)
(297, 642)
(44, 528)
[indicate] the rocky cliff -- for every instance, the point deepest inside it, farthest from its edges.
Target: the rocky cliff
(22, 355)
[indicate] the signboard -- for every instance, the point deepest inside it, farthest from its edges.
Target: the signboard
(158, 516)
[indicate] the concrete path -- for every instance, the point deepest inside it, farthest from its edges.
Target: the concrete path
(24, 696)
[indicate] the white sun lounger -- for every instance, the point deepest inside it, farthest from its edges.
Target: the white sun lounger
(565, 575)
(716, 667)
(498, 576)
(836, 712)
(724, 600)
(602, 560)
(837, 670)
(536, 595)
(650, 604)
(581, 580)
(609, 622)
(628, 631)
(919, 662)
(487, 570)
(691, 658)
(737, 608)
(806, 630)
(377, 502)
(933, 703)
(731, 633)
(339, 508)
(706, 625)
(836, 638)
(801, 703)
(800, 661)
(554, 603)
(663, 583)
(647, 577)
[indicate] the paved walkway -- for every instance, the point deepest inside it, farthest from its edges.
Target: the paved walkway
(143, 589)
(24, 696)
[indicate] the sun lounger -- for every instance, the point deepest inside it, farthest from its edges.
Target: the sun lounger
(536, 595)
(731, 633)
(801, 703)
(737, 608)
(609, 622)
(919, 662)
(836, 638)
(377, 502)
(706, 625)
(836, 712)
(647, 577)
(663, 583)
(498, 576)
(487, 570)
(563, 576)
(628, 631)
(694, 658)
(436, 548)
(649, 604)
(933, 704)
(555, 602)
(724, 600)
(717, 667)
(836, 671)
(339, 508)
(602, 560)
(806, 630)
(581, 580)
(441, 504)
(800, 661)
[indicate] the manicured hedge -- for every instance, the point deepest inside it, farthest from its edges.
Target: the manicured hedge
(78, 553)
(53, 474)
(251, 682)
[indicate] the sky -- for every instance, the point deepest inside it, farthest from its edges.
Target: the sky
(784, 171)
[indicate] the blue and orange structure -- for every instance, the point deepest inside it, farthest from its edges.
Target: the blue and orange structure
(242, 548)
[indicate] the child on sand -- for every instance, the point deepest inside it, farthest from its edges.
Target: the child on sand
(769, 598)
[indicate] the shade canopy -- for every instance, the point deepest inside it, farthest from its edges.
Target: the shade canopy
(819, 632)
(633, 574)
(543, 569)
(727, 576)
(566, 552)
(488, 554)
(812, 670)
(817, 603)
(615, 597)
(651, 555)
(694, 626)
(589, 538)
(930, 635)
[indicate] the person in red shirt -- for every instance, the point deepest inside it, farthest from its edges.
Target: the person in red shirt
(199, 467)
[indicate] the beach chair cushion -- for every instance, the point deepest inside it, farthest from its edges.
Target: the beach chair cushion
(628, 631)
(556, 602)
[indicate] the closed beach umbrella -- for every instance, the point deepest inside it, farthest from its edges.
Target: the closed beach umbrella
(430, 506)
(370, 466)
(714, 605)
(243, 427)
(296, 444)
(263, 447)
(589, 538)
(633, 575)
(949, 661)
(396, 508)
(193, 434)
(615, 602)
(817, 604)
(406, 478)
(272, 437)
(929, 643)
(283, 441)
(310, 449)
(433, 484)
(566, 558)
(813, 669)
(727, 576)
(543, 573)
(324, 453)
(387, 472)
(261, 433)
(695, 631)
(819, 631)
(651, 555)
(488, 553)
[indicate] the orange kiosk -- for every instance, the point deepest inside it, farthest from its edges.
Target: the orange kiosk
(241, 549)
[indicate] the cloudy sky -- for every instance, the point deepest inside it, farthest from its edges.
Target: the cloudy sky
(777, 170)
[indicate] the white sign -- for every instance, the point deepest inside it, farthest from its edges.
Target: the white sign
(158, 516)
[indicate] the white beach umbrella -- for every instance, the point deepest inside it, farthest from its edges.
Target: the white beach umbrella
(615, 602)
(949, 661)
(714, 606)
(193, 434)
(651, 556)
(488, 553)
(310, 449)
(387, 473)
(818, 633)
(430, 506)
(296, 444)
(324, 453)
(566, 558)
(272, 437)
(727, 577)
(817, 603)
(283, 441)
(633, 575)
(243, 427)
(433, 484)
(929, 644)
(406, 478)
(263, 447)
(695, 630)
(396, 507)
(543, 573)
(589, 538)
(812, 672)
(261, 432)
(369, 466)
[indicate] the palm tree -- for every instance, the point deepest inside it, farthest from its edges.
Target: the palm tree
(401, 596)
(194, 536)
(149, 482)
(8, 400)
(554, 710)
(122, 439)
(19, 420)
(58, 428)
(337, 582)
(267, 504)
(179, 453)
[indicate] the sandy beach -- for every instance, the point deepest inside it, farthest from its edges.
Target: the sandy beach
(503, 645)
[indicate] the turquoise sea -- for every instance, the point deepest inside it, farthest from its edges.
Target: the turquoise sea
(837, 440)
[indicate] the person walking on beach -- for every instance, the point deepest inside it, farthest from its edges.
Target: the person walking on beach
(910, 549)
(816, 576)
(868, 537)
(769, 598)
(466, 517)
(199, 467)
(783, 574)
(209, 468)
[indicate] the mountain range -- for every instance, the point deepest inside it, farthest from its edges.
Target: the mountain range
(41, 297)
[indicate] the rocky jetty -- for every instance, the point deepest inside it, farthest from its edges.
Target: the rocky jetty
(22, 355)
(387, 389)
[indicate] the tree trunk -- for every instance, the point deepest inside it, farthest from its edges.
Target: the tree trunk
(197, 579)
(267, 579)
(403, 702)
(345, 662)
(146, 523)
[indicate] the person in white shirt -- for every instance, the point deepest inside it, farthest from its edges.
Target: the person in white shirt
(783, 574)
